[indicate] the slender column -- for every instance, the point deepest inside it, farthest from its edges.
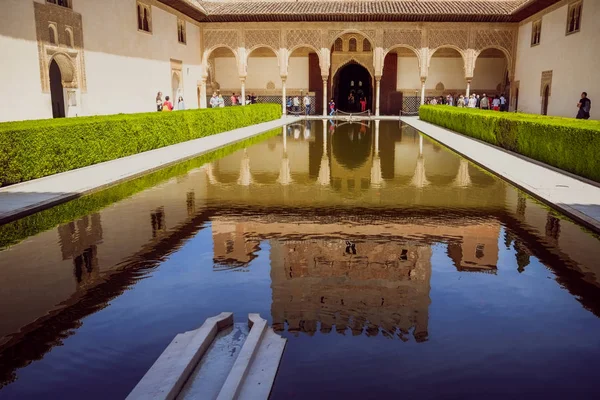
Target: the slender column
(243, 90)
(284, 133)
(283, 96)
(423, 90)
(324, 95)
(377, 93)
(420, 145)
(203, 93)
(468, 88)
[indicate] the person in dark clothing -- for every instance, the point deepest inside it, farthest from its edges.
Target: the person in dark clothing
(584, 105)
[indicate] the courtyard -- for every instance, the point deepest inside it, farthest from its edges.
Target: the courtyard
(315, 176)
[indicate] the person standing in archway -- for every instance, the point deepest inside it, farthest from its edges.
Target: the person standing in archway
(331, 107)
(180, 104)
(306, 101)
(363, 104)
(584, 105)
(159, 102)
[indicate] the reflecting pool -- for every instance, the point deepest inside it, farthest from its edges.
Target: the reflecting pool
(393, 266)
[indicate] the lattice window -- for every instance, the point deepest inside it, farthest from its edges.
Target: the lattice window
(52, 34)
(144, 17)
(536, 33)
(62, 3)
(339, 45)
(352, 44)
(366, 45)
(574, 17)
(181, 33)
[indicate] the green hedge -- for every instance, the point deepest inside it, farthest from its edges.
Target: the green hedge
(15, 231)
(569, 144)
(33, 149)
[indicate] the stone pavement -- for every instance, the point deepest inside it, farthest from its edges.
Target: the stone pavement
(571, 195)
(28, 197)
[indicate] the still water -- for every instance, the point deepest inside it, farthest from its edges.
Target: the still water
(392, 266)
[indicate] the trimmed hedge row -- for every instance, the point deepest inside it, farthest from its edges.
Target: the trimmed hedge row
(33, 149)
(18, 230)
(569, 144)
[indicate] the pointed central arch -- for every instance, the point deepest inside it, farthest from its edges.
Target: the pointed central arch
(352, 83)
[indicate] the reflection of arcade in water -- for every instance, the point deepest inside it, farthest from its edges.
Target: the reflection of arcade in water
(375, 164)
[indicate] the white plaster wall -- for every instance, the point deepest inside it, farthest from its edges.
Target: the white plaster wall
(125, 68)
(19, 68)
(262, 70)
(448, 70)
(489, 72)
(574, 60)
(409, 76)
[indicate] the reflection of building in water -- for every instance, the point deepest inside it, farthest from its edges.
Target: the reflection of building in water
(385, 285)
(231, 248)
(78, 241)
(478, 249)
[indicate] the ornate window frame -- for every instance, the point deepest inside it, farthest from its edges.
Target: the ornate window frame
(181, 31)
(70, 38)
(143, 9)
(53, 34)
(536, 32)
(574, 13)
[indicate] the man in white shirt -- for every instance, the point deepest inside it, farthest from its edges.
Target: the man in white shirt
(296, 104)
(306, 104)
(503, 103)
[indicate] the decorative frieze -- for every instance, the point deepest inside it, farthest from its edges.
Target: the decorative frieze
(221, 38)
(406, 37)
(303, 37)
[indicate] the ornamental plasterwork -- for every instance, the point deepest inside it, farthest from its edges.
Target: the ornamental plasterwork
(369, 34)
(302, 37)
(67, 53)
(254, 38)
(448, 37)
(488, 38)
(219, 38)
(546, 81)
(395, 37)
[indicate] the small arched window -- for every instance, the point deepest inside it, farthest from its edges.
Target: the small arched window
(140, 15)
(352, 45)
(70, 41)
(181, 36)
(366, 45)
(339, 45)
(52, 36)
(574, 21)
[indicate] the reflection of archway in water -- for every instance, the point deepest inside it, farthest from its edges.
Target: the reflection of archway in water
(347, 79)
(56, 91)
(351, 145)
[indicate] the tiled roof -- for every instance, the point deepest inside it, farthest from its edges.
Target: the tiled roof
(361, 10)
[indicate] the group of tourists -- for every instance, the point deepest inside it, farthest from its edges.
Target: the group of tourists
(166, 105)
(293, 104)
(217, 100)
(483, 102)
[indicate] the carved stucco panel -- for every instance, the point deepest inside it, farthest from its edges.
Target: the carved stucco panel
(487, 38)
(218, 38)
(303, 37)
(369, 34)
(262, 37)
(448, 37)
(395, 37)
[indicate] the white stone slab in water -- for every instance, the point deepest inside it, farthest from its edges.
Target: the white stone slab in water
(211, 372)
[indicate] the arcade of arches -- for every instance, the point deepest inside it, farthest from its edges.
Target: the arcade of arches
(387, 69)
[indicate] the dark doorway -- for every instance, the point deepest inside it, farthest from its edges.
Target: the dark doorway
(517, 100)
(56, 91)
(545, 100)
(356, 79)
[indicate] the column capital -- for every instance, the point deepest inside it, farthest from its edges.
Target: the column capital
(423, 79)
(324, 78)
